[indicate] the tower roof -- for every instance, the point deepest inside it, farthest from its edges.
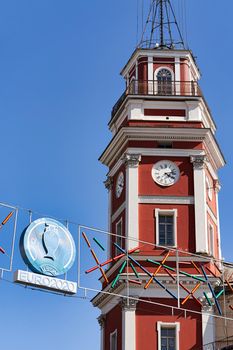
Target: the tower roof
(161, 30)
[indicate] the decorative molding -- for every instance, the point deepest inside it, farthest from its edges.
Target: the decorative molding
(217, 186)
(199, 162)
(165, 200)
(108, 183)
(131, 160)
(129, 303)
(101, 320)
(118, 144)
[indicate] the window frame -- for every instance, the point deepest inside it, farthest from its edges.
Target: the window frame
(175, 325)
(211, 233)
(119, 222)
(166, 212)
(209, 189)
(114, 333)
(156, 81)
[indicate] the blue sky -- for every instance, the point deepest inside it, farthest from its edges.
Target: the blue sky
(59, 78)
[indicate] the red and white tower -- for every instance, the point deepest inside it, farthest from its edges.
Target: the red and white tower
(163, 186)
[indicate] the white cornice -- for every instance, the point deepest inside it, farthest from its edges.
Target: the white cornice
(160, 54)
(118, 143)
(165, 200)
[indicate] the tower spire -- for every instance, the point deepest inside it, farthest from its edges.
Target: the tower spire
(161, 30)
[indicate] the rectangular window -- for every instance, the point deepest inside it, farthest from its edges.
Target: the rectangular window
(119, 239)
(166, 227)
(113, 340)
(166, 230)
(168, 335)
(168, 338)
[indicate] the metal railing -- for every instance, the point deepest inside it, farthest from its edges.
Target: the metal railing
(224, 344)
(158, 88)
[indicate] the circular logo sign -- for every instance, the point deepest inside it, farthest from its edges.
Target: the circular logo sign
(48, 247)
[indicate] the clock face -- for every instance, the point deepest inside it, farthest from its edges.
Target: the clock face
(165, 173)
(120, 184)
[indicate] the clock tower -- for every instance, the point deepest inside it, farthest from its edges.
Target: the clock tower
(163, 186)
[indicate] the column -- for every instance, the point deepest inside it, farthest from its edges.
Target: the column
(208, 325)
(150, 75)
(129, 324)
(101, 321)
(137, 86)
(217, 188)
(108, 184)
(131, 162)
(177, 76)
(201, 236)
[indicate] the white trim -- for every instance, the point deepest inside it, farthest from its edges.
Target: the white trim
(172, 212)
(163, 54)
(201, 235)
(117, 213)
(117, 235)
(177, 75)
(218, 227)
(165, 200)
(208, 328)
(171, 152)
(128, 329)
(163, 67)
(117, 145)
(109, 221)
(131, 228)
(211, 236)
(175, 325)
(150, 74)
(111, 337)
(155, 82)
(209, 188)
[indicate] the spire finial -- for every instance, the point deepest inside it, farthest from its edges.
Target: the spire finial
(161, 30)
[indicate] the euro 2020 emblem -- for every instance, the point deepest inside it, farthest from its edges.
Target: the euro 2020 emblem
(48, 247)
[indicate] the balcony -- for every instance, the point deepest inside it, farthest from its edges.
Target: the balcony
(224, 344)
(158, 88)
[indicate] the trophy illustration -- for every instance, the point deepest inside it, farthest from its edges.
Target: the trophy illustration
(50, 240)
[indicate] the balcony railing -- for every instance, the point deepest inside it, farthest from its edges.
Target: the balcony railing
(224, 344)
(158, 88)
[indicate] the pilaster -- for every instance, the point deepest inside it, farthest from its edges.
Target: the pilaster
(201, 237)
(131, 162)
(109, 185)
(208, 325)
(101, 320)
(128, 324)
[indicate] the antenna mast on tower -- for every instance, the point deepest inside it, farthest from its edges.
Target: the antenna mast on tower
(161, 30)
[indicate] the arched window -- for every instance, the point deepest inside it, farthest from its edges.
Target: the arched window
(164, 79)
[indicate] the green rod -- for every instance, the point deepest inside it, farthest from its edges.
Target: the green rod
(118, 275)
(99, 244)
(134, 270)
(181, 272)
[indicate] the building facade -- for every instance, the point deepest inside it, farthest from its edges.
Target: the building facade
(163, 186)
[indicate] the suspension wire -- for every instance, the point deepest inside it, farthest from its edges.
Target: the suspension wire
(169, 27)
(173, 13)
(185, 24)
(159, 22)
(147, 21)
(153, 21)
